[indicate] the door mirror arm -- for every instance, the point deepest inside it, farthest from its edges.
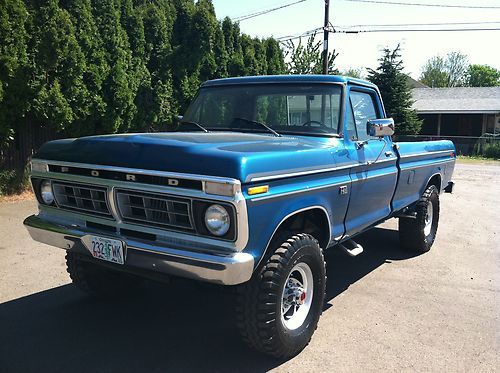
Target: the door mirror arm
(361, 144)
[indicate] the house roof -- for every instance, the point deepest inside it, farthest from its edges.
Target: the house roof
(415, 83)
(456, 100)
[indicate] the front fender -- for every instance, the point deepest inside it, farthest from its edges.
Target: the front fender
(265, 217)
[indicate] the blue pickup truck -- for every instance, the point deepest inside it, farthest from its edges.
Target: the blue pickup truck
(259, 177)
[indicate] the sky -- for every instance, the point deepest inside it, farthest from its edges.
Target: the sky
(363, 50)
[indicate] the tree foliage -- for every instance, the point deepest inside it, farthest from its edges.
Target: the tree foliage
(454, 71)
(308, 58)
(92, 67)
(353, 73)
(483, 76)
(449, 71)
(396, 93)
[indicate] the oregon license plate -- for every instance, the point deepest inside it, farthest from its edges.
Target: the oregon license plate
(106, 249)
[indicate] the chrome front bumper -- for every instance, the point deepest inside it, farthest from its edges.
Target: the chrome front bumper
(223, 269)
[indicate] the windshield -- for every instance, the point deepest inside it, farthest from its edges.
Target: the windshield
(298, 109)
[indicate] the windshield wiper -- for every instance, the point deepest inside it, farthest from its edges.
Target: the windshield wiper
(196, 124)
(260, 124)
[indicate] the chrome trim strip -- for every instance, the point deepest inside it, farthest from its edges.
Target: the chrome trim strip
(113, 206)
(331, 169)
(300, 173)
(426, 153)
(404, 168)
(319, 170)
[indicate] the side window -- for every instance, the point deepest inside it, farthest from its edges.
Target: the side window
(363, 109)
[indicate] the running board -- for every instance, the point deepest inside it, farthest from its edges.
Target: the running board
(351, 247)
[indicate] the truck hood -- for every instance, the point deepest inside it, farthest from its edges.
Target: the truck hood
(240, 156)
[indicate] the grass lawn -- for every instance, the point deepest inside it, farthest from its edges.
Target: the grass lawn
(476, 159)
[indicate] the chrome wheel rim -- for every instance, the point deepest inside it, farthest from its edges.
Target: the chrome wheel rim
(297, 296)
(428, 219)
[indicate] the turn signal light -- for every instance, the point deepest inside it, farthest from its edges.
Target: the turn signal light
(258, 190)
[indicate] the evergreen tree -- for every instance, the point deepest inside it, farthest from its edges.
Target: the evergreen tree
(251, 64)
(275, 58)
(118, 87)
(220, 53)
(203, 32)
(60, 95)
(14, 89)
(154, 100)
(236, 64)
(396, 93)
(91, 67)
(260, 56)
(95, 69)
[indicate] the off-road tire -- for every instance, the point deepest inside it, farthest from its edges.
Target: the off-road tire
(412, 230)
(258, 312)
(99, 281)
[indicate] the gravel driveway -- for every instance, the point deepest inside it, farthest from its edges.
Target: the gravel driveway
(387, 310)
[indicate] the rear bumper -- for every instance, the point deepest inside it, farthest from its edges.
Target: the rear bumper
(223, 269)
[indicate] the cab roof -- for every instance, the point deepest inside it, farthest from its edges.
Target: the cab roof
(269, 79)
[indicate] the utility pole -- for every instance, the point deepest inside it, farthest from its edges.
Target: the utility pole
(326, 31)
(325, 37)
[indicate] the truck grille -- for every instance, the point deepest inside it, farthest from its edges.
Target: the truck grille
(84, 198)
(154, 209)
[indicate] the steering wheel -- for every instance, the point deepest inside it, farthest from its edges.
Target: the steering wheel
(310, 122)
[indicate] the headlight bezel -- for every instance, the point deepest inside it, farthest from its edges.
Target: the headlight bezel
(199, 209)
(47, 191)
(37, 189)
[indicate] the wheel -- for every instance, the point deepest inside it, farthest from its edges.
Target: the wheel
(418, 234)
(279, 308)
(99, 281)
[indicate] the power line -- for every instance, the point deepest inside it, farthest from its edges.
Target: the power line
(421, 24)
(426, 4)
(296, 36)
(262, 12)
(419, 30)
(334, 29)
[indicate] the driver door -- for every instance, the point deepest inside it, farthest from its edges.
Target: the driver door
(374, 174)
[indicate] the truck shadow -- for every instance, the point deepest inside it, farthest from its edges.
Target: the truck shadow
(186, 327)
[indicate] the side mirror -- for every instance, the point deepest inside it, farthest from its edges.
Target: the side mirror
(380, 127)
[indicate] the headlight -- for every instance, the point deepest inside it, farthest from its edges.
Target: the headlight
(217, 220)
(46, 192)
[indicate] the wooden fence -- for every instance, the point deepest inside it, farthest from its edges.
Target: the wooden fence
(16, 154)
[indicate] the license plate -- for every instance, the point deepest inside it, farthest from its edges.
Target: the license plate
(105, 249)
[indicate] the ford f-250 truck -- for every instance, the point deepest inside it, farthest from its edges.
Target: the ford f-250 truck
(260, 177)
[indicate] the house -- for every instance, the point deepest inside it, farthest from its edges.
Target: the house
(458, 111)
